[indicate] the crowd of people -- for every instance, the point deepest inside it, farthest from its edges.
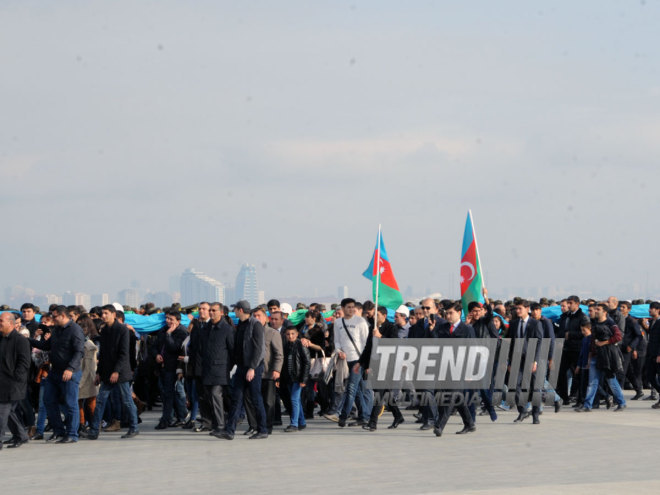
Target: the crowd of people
(68, 373)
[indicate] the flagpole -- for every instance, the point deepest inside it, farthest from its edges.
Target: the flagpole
(476, 244)
(377, 277)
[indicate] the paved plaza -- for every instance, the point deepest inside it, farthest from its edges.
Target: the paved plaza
(598, 452)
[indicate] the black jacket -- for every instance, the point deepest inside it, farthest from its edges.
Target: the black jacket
(216, 348)
(194, 347)
(570, 329)
(484, 327)
(296, 362)
(253, 351)
(169, 346)
(114, 353)
(653, 346)
(533, 330)
(14, 367)
(388, 330)
(632, 335)
(66, 345)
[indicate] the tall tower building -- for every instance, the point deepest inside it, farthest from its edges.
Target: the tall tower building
(197, 287)
(246, 285)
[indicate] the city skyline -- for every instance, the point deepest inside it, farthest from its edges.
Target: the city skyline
(170, 135)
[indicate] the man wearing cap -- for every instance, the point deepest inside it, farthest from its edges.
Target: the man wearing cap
(14, 367)
(401, 316)
(249, 354)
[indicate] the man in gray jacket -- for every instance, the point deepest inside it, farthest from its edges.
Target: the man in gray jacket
(272, 368)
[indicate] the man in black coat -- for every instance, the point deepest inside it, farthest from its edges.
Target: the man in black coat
(14, 367)
(216, 347)
(66, 347)
(525, 327)
(570, 329)
(249, 353)
(633, 347)
(170, 341)
(652, 361)
(114, 371)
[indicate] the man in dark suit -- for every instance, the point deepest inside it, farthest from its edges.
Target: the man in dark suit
(113, 371)
(455, 329)
(525, 327)
(14, 367)
(249, 354)
(216, 345)
(570, 329)
(652, 361)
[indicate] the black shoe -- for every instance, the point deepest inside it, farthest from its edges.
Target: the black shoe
(609, 402)
(437, 431)
(425, 426)
(222, 434)
(161, 426)
(38, 436)
(521, 417)
(301, 427)
(67, 439)
(651, 397)
(89, 435)
(258, 436)
(341, 422)
(131, 434)
(11, 440)
(291, 429)
(467, 429)
(14, 444)
(190, 425)
(535, 419)
(656, 405)
(620, 407)
(202, 427)
(557, 406)
(395, 423)
(250, 431)
(175, 424)
(637, 396)
(417, 416)
(369, 427)
(54, 438)
(359, 422)
(583, 409)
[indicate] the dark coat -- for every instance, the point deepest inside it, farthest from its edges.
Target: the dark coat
(570, 328)
(114, 353)
(296, 363)
(533, 330)
(14, 367)
(388, 330)
(169, 346)
(632, 335)
(194, 347)
(66, 346)
(254, 344)
(216, 345)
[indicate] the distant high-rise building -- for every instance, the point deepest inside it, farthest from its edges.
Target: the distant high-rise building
(246, 285)
(129, 297)
(160, 299)
(77, 299)
(100, 299)
(196, 287)
(46, 300)
(342, 291)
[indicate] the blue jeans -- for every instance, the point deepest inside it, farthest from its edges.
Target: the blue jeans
(356, 388)
(297, 413)
(41, 415)
(242, 386)
(105, 392)
(191, 392)
(594, 379)
(57, 391)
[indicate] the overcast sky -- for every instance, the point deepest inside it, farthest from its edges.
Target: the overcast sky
(141, 138)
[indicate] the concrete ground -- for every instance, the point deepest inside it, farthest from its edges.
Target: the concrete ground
(598, 452)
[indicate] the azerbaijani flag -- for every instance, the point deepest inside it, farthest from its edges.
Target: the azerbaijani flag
(384, 284)
(471, 277)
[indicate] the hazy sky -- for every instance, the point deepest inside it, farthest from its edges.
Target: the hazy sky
(141, 138)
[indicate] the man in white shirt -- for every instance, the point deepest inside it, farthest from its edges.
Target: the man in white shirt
(351, 333)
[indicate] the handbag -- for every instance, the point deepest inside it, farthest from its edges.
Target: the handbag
(319, 366)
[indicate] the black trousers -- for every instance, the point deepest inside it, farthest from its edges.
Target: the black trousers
(268, 393)
(396, 412)
(569, 359)
(9, 418)
(651, 372)
(632, 368)
(445, 412)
